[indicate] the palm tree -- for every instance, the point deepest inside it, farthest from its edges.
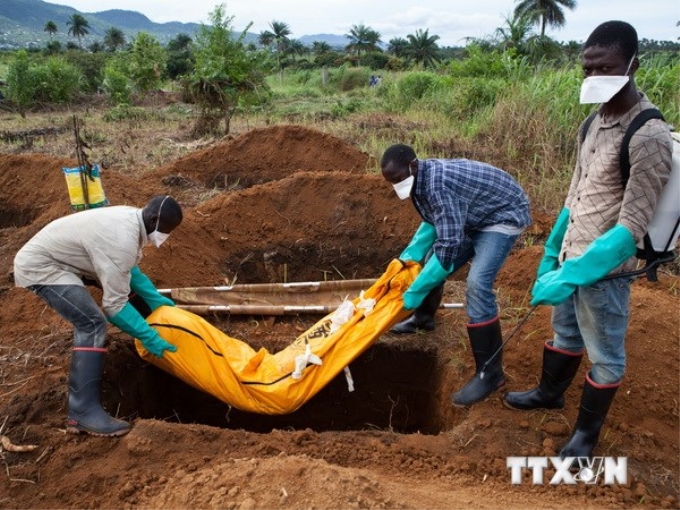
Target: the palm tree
(397, 47)
(545, 12)
(180, 42)
(280, 31)
(265, 39)
(324, 55)
(78, 27)
(296, 47)
(321, 47)
(114, 38)
(96, 47)
(279, 34)
(50, 28)
(423, 48)
(362, 38)
(514, 34)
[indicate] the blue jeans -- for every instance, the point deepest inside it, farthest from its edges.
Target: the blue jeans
(76, 305)
(487, 251)
(596, 318)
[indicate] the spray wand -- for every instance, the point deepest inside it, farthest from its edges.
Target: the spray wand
(481, 373)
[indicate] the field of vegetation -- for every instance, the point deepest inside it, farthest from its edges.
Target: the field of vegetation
(511, 99)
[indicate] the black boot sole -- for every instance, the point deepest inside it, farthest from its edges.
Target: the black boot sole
(465, 406)
(77, 429)
(411, 331)
(543, 408)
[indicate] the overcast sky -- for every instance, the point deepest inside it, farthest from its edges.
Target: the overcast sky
(452, 21)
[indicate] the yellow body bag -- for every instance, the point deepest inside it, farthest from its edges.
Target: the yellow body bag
(265, 383)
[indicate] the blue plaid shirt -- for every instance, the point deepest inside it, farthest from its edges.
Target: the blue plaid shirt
(459, 197)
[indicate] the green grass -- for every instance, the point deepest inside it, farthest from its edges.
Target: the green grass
(524, 122)
(492, 108)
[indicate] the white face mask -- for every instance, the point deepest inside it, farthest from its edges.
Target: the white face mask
(403, 188)
(157, 238)
(600, 89)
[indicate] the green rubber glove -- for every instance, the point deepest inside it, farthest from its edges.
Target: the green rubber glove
(129, 321)
(602, 256)
(432, 275)
(141, 284)
(421, 243)
(553, 244)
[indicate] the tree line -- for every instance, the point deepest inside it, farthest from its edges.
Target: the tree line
(366, 47)
(219, 70)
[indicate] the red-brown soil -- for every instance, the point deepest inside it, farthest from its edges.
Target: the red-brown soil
(291, 202)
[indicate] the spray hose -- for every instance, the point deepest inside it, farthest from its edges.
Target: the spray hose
(493, 356)
(649, 269)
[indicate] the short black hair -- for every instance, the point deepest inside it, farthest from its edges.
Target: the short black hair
(168, 210)
(399, 154)
(615, 34)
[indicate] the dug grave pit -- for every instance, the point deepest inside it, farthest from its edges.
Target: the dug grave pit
(396, 389)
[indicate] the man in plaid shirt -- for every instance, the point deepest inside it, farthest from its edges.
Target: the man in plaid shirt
(472, 212)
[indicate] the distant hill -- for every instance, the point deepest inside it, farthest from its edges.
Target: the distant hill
(128, 19)
(335, 41)
(22, 24)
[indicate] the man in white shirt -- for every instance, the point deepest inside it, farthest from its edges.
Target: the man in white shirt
(103, 244)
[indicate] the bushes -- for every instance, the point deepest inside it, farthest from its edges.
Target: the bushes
(51, 80)
(134, 114)
(56, 81)
(339, 79)
(91, 66)
(375, 60)
(19, 81)
(490, 64)
(147, 60)
(659, 78)
(349, 78)
(464, 98)
(225, 76)
(117, 85)
(409, 89)
(415, 85)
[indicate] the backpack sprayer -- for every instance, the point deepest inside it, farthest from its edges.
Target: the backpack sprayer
(657, 247)
(84, 182)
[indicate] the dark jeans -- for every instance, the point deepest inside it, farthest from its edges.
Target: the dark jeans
(487, 252)
(76, 305)
(596, 317)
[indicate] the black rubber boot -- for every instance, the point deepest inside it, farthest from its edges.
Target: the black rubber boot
(559, 369)
(85, 412)
(595, 403)
(485, 339)
(423, 316)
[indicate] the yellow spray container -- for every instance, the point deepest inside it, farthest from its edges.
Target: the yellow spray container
(85, 187)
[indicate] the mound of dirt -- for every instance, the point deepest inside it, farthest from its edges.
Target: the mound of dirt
(288, 203)
(265, 154)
